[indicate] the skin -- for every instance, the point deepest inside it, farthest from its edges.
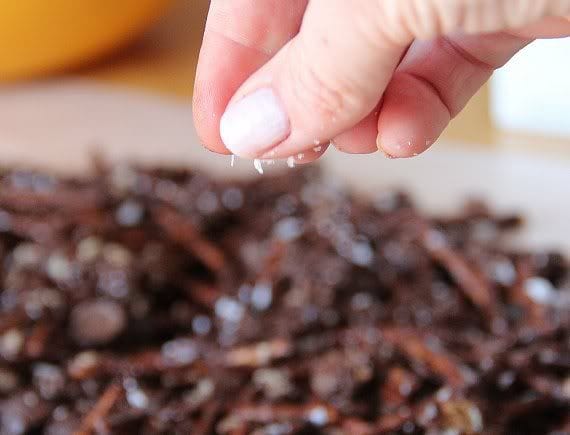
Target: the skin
(389, 76)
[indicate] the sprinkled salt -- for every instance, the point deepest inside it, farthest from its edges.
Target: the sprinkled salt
(207, 202)
(232, 198)
(361, 254)
(201, 324)
(129, 213)
(300, 156)
(317, 142)
(504, 272)
(361, 301)
(11, 343)
(116, 255)
(5, 221)
(261, 296)
(229, 309)
(26, 254)
(30, 399)
(291, 161)
(258, 166)
(59, 268)
(288, 229)
(137, 398)
(48, 379)
(89, 249)
(317, 149)
(318, 416)
(540, 290)
(180, 351)
(232, 160)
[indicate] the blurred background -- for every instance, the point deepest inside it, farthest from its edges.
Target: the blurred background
(152, 45)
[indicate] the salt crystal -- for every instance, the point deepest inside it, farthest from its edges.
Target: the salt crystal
(300, 156)
(5, 221)
(229, 309)
(207, 202)
(291, 161)
(129, 213)
(201, 324)
(258, 166)
(48, 379)
(59, 268)
(232, 198)
(26, 254)
(540, 290)
(317, 142)
(361, 254)
(89, 249)
(11, 343)
(504, 272)
(318, 416)
(180, 351)
(137, 399)
(288, 229)
(361, 301)
(317, 149)
(30, 399)
(261, 296)
(116, 255)
(506, 379)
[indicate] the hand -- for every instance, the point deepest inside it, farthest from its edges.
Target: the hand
(279, 78)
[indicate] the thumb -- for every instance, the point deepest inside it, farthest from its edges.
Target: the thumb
(325, 80)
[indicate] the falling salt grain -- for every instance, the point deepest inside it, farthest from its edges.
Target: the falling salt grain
(318, 416)
(291, 161)
(258, 166)
(317, 142)
(540, 290)
(232, 160)
(317, 149)
(229, 309)
(300, 156)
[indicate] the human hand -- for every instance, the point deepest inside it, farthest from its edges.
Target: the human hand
(280, 78)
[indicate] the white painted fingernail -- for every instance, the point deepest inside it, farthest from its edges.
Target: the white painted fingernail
(255, 123)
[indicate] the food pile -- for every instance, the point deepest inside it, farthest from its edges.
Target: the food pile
(154, 301)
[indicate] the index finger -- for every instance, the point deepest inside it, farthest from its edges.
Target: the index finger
(240, 37)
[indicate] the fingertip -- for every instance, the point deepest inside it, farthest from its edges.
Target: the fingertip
(360, 139)
(412, 118)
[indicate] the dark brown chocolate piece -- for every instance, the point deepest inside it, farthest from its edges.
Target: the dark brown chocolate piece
(163, 301)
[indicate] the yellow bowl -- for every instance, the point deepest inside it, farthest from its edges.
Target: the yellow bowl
(44, 36)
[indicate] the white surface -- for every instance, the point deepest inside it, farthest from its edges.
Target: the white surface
(57, 125)
(532, 92)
